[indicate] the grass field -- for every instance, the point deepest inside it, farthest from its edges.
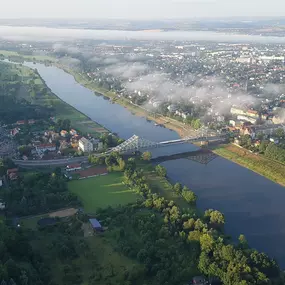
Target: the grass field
(102, 191)
(32, 222)
(266, 167)
(163, 187)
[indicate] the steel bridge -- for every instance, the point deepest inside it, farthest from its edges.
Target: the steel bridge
(136, 143)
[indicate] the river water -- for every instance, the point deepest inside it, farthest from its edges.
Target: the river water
(252, 204)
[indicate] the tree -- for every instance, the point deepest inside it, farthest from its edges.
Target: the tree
(206, 242)
(146, 156)
(131, 164)
(262, 147)
(57, 171)
(121, 164)
(189, 195)
(280, 133)
(189, 224)
(215, 217)
(243, 242)
(177, 187)
(25, 150)
(161, 170)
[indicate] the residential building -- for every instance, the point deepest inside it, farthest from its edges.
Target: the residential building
(64, 133)
(247, 119)
(237, 111)
(73, 132)
(12, 173)
(184, 115)
(248, 113)
(278, 120)
(14, 131)
(249, 131)
(172, 108)
(252, 113)
(85, 145)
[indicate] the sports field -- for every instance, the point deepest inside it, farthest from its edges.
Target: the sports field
(102, 191)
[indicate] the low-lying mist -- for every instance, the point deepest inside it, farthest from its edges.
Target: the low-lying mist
(56, 34)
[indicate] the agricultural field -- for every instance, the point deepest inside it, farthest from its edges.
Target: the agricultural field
(102, 191)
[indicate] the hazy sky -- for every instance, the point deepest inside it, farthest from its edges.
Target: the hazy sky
(139, 9)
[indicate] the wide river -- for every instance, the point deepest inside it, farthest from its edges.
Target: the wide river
(252, 204)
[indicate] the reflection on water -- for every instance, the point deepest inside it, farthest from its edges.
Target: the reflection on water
(252, 204)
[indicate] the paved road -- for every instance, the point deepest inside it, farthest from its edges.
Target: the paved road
(54, 162)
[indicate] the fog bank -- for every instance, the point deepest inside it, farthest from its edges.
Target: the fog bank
(53, 34)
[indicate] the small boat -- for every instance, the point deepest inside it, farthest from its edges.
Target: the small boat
(156, 124)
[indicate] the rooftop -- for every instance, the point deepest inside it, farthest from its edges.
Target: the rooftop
(95, 223)
(76, 165)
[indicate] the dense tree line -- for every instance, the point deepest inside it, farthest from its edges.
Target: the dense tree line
(38, 193)
(143, 235)
(233, 265)
(62, 125)
(171, 248)
(275, 152)
(19, 263)
(269, 149)
(5, 164)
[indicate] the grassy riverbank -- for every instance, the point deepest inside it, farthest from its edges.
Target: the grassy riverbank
(270, 169)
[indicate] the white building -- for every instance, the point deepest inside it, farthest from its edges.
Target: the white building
(85, 145)
(247, 119)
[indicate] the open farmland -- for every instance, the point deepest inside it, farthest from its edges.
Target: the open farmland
(102, 191)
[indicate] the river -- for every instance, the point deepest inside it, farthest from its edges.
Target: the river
(252, 204)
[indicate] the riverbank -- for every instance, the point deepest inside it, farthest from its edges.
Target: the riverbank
(61, 109)
(79, 121)
(268, 168)
(172, 124)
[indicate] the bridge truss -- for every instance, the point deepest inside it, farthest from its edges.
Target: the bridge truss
(135, 143)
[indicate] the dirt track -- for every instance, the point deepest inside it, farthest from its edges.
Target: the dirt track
(64, 213)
